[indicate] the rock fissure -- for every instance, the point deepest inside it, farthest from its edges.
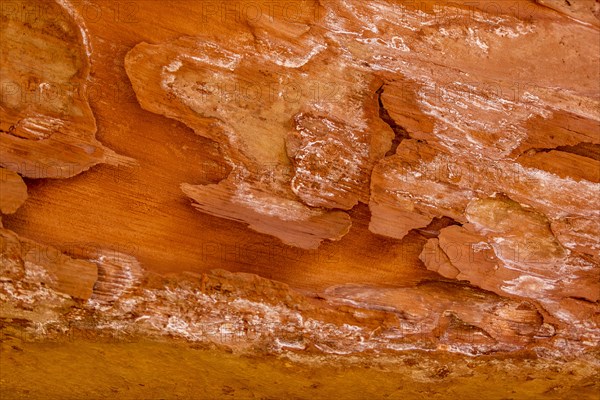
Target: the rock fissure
(399, 132)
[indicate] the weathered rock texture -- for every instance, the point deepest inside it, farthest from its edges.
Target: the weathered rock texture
(416, 176)
(47, 128)
(14, 191)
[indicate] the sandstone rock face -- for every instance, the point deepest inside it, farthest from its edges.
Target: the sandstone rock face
(586, 11)
(447, 155)
(293, 151)
(47, 128)
(14, 191)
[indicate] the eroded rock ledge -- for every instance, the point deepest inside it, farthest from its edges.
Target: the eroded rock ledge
(245, 312)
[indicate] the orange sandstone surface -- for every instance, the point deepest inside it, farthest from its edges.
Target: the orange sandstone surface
(316, 181)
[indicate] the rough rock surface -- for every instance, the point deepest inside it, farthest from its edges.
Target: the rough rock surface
(44, 265)
(47, 129)
(14, 191)
(508, 153)
(415, 176)
(290, 150)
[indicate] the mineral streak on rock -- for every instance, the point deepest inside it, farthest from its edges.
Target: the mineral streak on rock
(585, 11)
(118, 275)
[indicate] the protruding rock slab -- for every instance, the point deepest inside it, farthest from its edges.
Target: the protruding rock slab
(47, 129)
(20, 257)
(282, 124)
(290, 220)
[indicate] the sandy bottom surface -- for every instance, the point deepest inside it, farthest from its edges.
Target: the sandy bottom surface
(81, 368)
